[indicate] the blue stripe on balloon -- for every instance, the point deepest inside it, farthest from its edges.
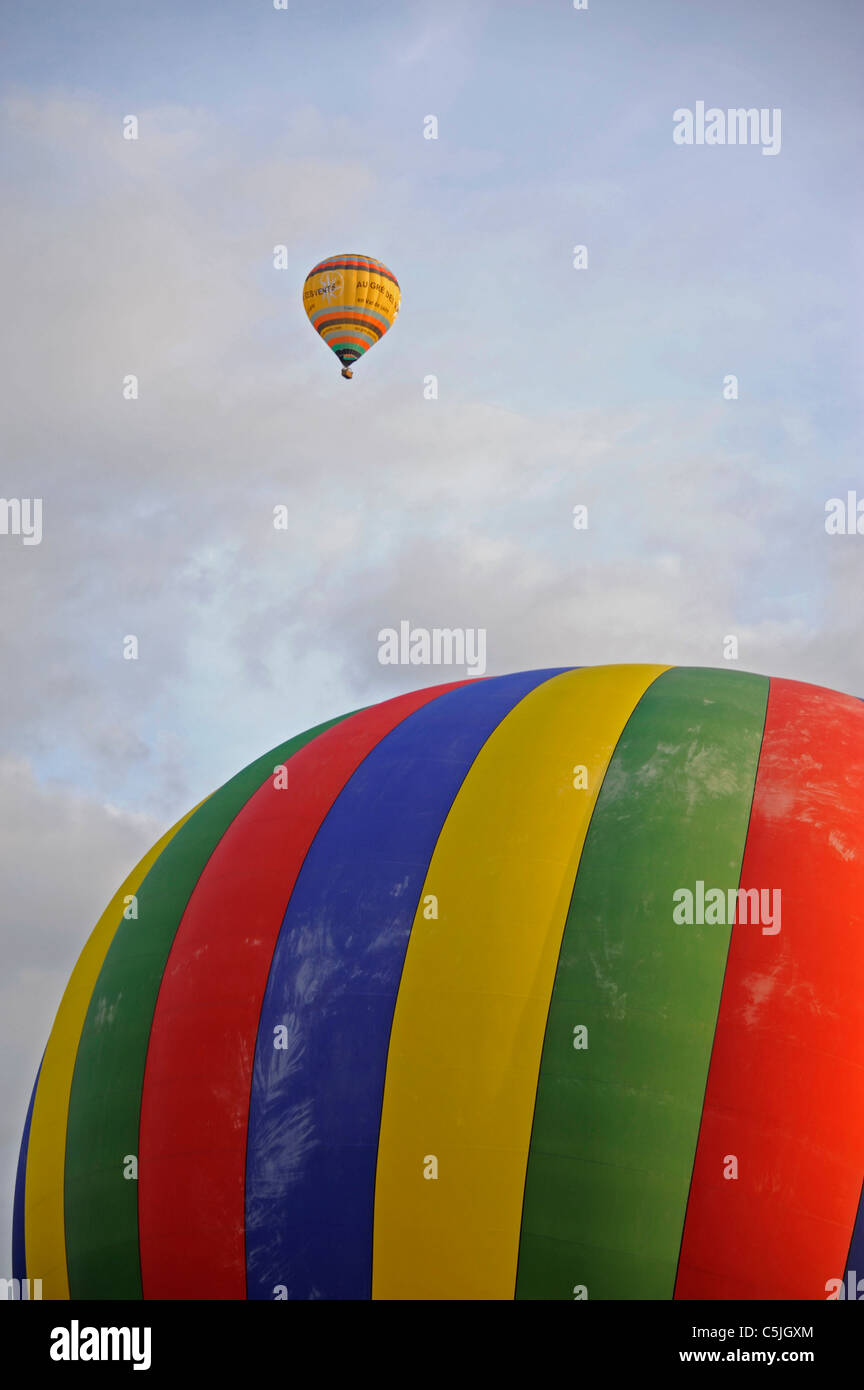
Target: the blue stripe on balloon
(19, 1250)
(855, 1259)
(315, 1107)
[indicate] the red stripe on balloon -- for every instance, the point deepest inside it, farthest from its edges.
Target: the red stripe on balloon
(198, 1076)
(783, 1098)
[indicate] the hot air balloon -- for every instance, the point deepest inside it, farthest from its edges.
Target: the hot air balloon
(351, 301)
(478, 993)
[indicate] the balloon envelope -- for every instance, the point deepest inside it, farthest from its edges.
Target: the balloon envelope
(534, 986)
(352, 301)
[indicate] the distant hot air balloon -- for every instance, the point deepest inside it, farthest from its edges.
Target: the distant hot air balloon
(351, 301)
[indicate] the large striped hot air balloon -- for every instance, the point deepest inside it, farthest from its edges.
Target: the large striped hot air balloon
(444, 999)
(351, 301)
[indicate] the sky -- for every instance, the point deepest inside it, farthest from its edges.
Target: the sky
(603, 386)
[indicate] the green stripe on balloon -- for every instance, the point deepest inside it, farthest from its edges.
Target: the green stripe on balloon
(616, 1123)
(105, 1101)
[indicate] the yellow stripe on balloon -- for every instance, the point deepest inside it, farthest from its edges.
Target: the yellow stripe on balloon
(44, 1214)
(470, 1016)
